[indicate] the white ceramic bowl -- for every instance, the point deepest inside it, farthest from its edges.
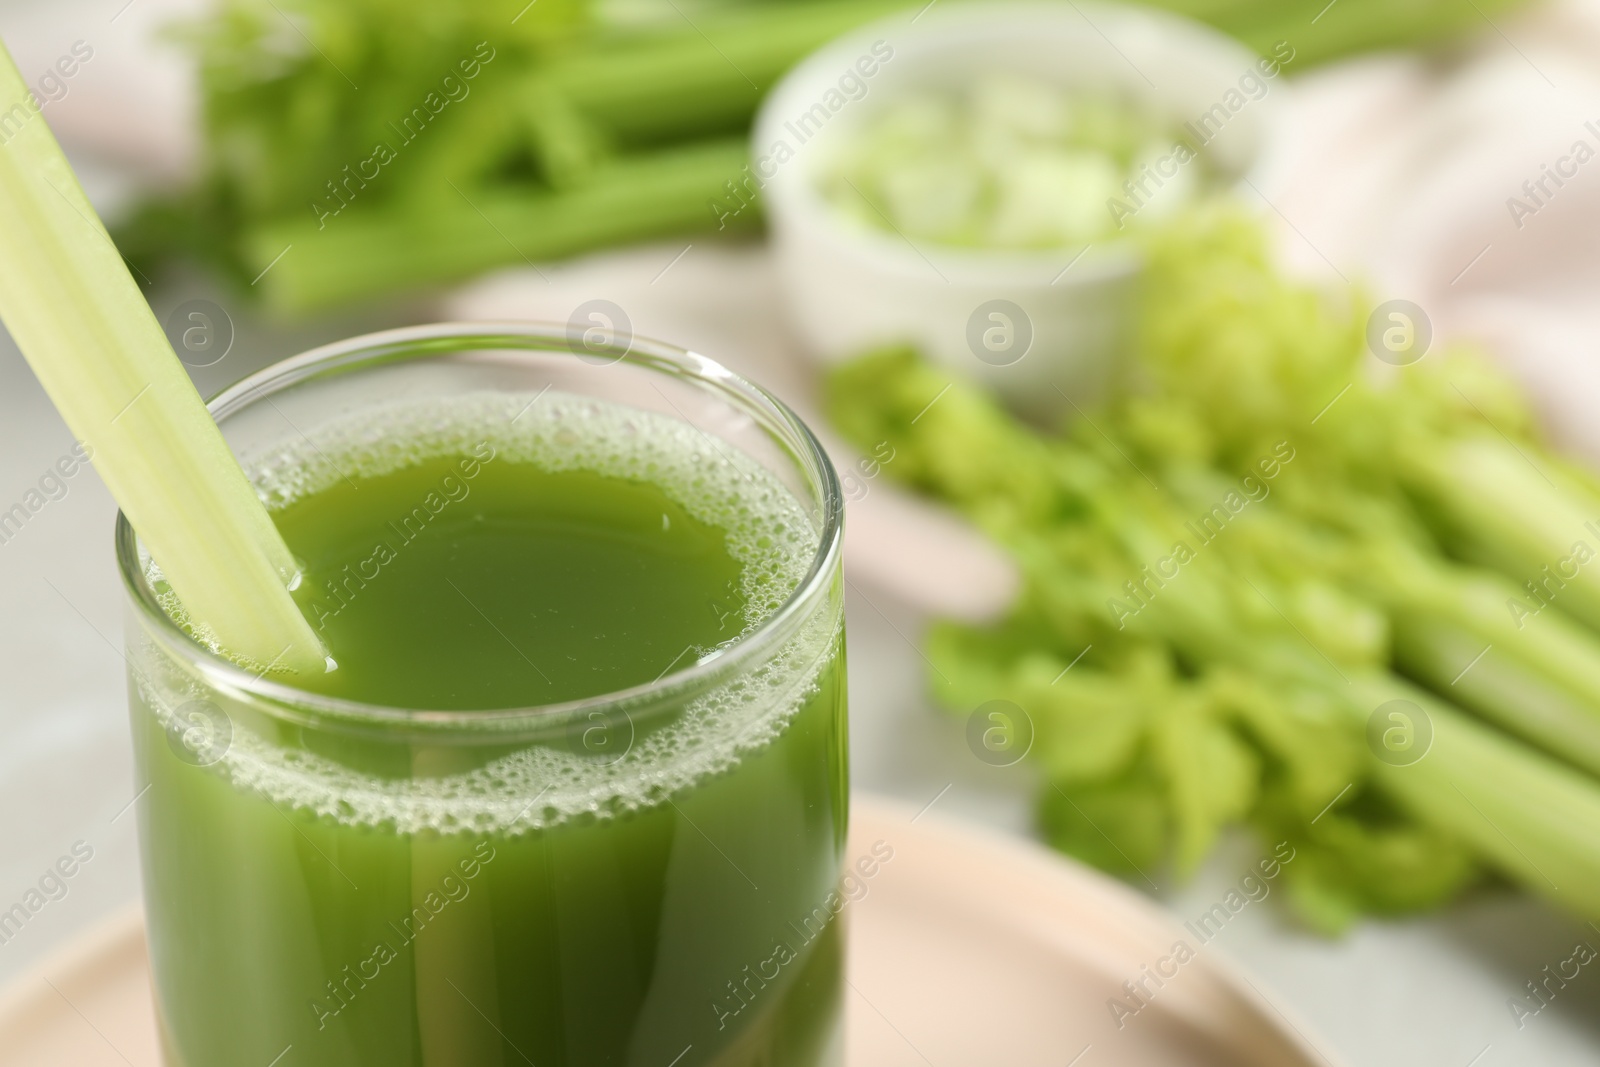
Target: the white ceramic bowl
(1039, 326)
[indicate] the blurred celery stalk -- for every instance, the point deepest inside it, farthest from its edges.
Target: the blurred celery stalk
(404, 247)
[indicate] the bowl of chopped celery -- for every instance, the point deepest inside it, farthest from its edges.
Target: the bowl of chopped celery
(973, 178)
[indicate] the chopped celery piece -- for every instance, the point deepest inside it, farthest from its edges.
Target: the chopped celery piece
(1009, 162)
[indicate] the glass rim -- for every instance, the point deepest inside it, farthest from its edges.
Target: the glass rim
(388, 346)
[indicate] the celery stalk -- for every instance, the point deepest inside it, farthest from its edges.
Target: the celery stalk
(408, 245)
(1540, 680)
(700, 79)
(1535, 819)
(1501, 508)
(79, 318)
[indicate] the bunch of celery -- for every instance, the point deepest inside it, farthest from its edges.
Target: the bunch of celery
(581, 125)
(348, 132)
(1349, 538)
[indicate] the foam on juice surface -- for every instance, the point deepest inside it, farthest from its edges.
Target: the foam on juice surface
(767, 531)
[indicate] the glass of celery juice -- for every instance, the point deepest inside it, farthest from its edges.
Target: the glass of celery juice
(575, 792)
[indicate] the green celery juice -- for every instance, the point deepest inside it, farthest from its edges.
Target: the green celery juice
(640, 882)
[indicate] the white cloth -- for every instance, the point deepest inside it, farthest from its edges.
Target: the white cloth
(1407, 175)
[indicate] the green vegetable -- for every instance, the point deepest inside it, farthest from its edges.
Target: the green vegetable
(1320, 31)
(383, 141)
(79, 318)
(1256, 551)
(1004, 162)
(369, 254)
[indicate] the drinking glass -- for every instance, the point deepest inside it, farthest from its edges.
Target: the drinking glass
(642, 877)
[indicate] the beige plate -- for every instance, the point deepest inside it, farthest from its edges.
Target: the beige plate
(965, 948)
